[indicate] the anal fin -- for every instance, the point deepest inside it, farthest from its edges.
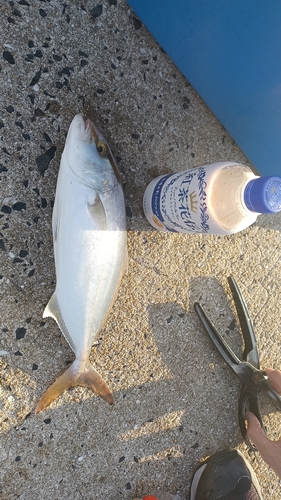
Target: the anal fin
(52, 310)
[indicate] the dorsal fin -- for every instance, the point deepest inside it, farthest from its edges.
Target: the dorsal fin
(125, 262)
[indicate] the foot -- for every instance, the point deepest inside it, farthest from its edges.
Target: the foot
(226, 475)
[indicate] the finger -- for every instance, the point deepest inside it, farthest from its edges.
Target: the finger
(274, 378)
(269, 450)
(255, 433)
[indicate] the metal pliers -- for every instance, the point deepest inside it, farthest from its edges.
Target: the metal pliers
(248, 370)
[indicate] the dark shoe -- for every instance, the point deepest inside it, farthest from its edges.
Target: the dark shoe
(226, 475)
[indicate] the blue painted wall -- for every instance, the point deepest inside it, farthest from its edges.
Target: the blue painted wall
(230, 52)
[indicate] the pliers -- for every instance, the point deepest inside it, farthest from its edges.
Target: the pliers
(248, 370)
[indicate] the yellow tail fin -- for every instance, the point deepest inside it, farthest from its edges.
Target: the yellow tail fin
(78, 374)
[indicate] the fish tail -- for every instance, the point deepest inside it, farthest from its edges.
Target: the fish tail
(78, 374)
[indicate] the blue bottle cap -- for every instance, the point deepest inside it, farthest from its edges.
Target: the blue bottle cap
(263, 195)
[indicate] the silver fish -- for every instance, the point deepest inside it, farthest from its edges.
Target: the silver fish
(90, 248)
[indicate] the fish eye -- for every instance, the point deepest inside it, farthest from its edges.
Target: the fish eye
(102, 149)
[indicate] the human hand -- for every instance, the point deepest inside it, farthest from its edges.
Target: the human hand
(269, 450)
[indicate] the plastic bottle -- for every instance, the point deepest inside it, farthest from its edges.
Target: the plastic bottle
(221, 198)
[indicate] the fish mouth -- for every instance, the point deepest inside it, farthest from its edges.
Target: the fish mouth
(92, 127)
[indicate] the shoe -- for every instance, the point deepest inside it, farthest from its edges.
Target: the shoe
(226, 475)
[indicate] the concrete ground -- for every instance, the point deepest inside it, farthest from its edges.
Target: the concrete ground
(175, 400)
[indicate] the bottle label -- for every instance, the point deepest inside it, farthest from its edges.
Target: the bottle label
(179, 202)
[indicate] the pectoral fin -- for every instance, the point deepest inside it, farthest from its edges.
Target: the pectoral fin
(78, 374)
(97, 213)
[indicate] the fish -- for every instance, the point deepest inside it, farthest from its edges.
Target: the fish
(90, 251)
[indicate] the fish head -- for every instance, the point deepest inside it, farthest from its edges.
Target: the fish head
(89, 156)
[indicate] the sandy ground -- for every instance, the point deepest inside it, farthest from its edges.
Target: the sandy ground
(175, 400)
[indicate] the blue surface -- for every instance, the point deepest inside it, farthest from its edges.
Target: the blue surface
(230, 52)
